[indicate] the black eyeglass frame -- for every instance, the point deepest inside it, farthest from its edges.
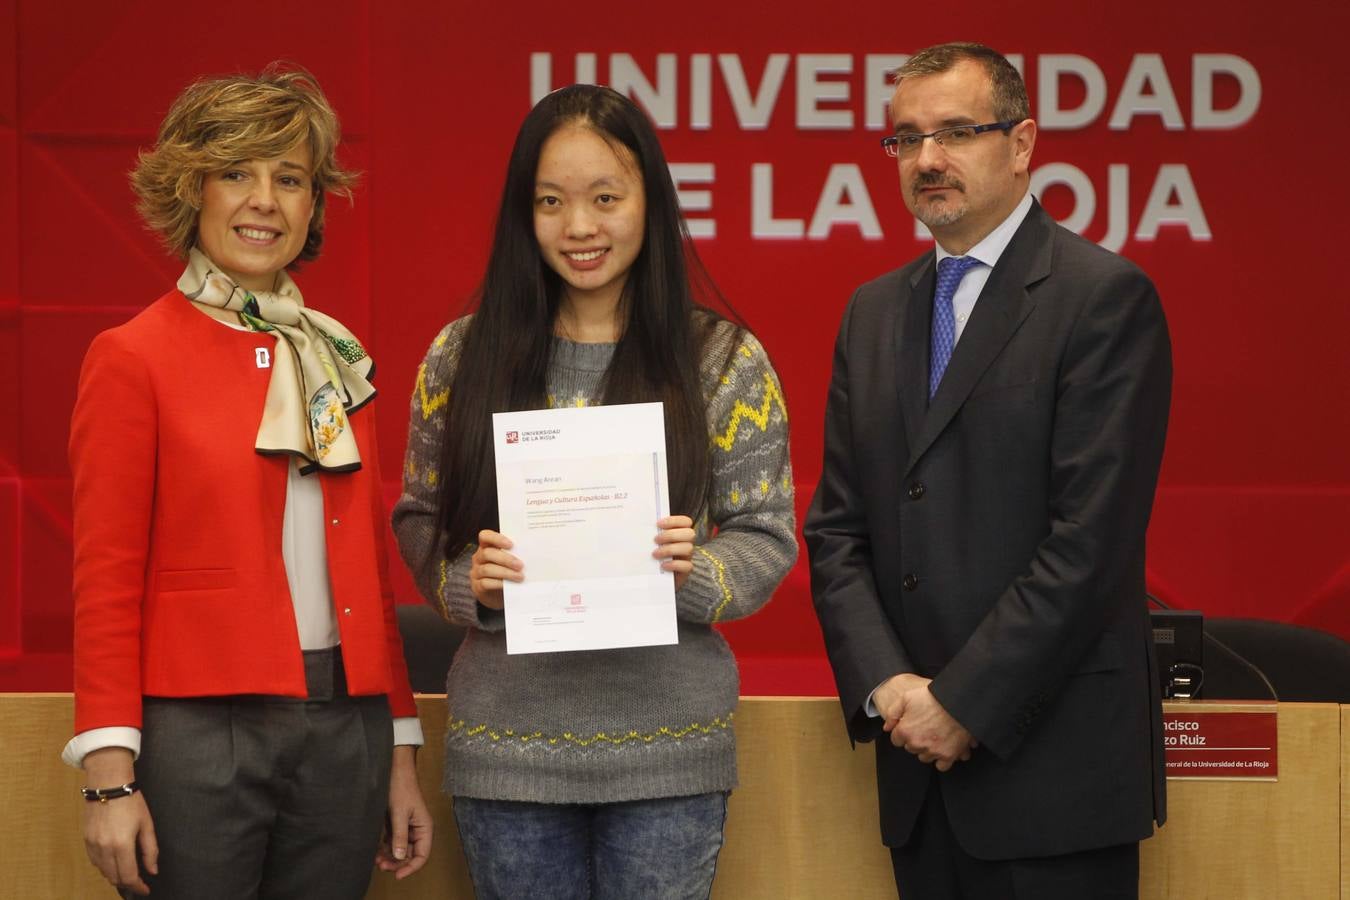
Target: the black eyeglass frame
(891, 142)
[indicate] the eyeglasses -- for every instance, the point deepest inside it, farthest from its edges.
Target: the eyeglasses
(953, 138)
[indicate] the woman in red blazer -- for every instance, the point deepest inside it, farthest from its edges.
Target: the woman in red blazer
(242, 708)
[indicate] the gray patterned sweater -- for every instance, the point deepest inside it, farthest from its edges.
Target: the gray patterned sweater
(610, 725)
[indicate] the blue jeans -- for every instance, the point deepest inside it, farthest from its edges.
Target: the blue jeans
(665, 848)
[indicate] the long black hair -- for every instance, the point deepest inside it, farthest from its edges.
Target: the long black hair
(504, 359)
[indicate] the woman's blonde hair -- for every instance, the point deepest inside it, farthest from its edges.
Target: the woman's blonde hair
(217, 122)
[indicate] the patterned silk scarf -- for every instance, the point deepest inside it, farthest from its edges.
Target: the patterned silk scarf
(320, 371)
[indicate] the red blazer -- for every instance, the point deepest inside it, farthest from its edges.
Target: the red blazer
(180, 588)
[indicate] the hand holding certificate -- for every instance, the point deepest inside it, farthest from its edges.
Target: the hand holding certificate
(579, 493)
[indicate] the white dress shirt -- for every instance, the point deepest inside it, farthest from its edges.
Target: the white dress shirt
(987, 251)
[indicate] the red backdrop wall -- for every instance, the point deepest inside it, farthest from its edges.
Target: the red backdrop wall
(1203, 143)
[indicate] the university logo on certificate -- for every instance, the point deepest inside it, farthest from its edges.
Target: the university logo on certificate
(579, 491)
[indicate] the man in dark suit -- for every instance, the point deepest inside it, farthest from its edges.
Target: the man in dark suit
(994, 430)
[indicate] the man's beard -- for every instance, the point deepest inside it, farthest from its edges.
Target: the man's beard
(950, 213)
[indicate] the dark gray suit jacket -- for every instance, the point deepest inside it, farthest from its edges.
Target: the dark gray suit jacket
(993, 541)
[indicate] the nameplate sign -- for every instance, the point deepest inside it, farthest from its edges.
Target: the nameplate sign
(1231, 743)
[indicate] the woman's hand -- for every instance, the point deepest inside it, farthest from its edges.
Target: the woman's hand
(492, 565)
(406, 844)
(116, 830)
(675, 547)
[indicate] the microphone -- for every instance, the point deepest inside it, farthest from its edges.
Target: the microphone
(1182, 680)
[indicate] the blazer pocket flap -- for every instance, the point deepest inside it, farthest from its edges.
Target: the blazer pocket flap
(1103, 657)
(194, 579)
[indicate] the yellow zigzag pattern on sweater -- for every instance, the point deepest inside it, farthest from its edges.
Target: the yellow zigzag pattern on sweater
(721, 582)
(694, 729)
(430, 402)
(760, 417)
(441, 606)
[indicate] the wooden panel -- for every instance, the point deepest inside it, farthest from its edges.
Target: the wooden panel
(1345, 803)
(41, 852)
(1256, 840)
(804, 822)
(446, 874)
(802, 825)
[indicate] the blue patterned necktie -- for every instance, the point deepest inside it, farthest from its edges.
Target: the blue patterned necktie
(950, 272)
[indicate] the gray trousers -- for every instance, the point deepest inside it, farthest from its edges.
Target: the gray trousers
(267, 797)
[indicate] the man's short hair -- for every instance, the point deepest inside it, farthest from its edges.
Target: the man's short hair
(1008, 89)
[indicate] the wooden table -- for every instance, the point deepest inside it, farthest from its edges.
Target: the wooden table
(802, 825)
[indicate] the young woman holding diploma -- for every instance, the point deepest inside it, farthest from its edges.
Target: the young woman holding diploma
(596, 773)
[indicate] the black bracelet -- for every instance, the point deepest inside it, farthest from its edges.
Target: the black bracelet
(103, 795)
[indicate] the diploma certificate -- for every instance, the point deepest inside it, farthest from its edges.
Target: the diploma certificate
(579, 491)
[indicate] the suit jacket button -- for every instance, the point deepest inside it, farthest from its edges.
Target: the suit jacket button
(910, 582)
(916, 490)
